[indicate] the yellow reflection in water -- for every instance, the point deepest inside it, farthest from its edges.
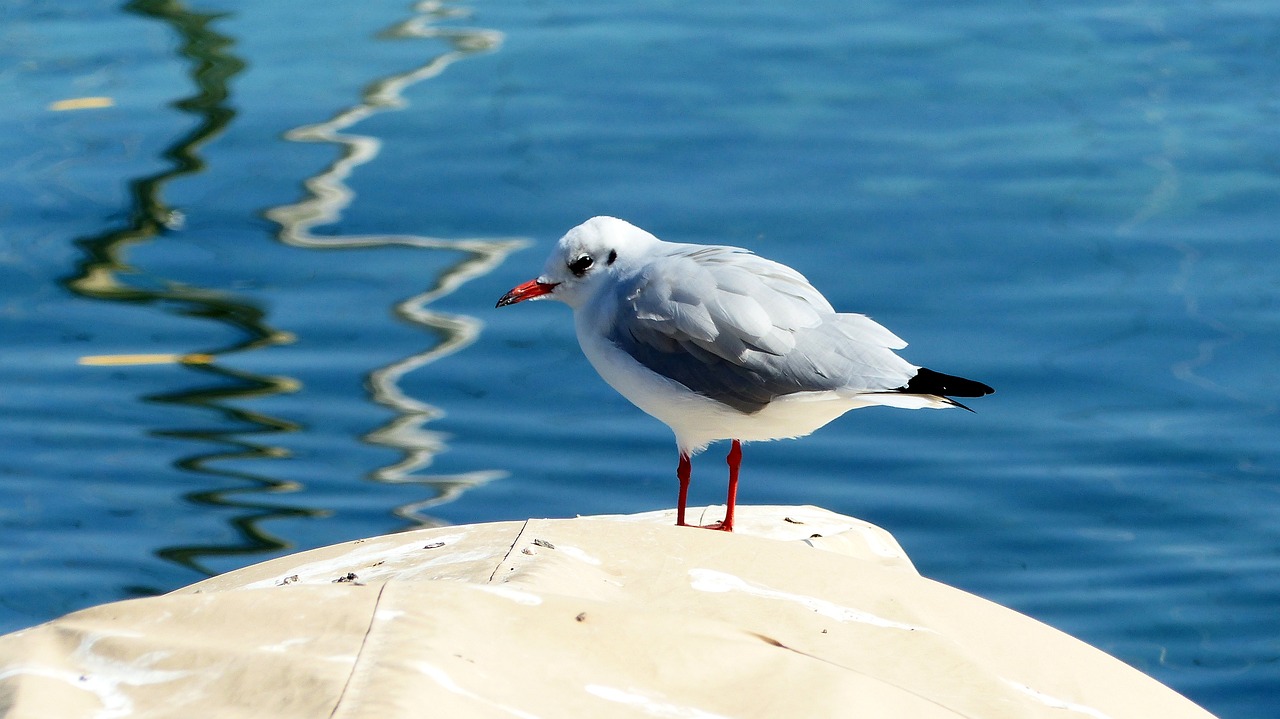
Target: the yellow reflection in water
(144, 359)
(81, 103)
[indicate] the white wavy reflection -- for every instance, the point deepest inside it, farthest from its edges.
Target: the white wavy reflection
(1167, 191)
(328, 196)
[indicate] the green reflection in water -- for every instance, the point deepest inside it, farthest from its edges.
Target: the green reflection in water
(328, 195)
(103, 274)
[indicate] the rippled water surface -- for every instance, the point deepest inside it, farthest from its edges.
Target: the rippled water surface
(249, 274)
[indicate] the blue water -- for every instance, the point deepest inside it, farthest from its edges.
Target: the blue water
(317, 204)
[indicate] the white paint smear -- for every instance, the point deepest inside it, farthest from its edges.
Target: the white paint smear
(528, 599)
(103, 676)
(357, 560)
(1056, 703)
(709, 580)
(114, 702)
(441, 677)
(286, 645)
(649, 705)
(577, 554)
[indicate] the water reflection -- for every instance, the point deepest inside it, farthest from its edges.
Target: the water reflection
(1159, 113)
(104, 274)
(328, 195)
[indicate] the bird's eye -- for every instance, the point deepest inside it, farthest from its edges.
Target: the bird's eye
(580, 266)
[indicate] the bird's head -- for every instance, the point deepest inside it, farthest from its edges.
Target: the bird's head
(583, 260)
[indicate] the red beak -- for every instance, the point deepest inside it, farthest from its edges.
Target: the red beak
(527, 291)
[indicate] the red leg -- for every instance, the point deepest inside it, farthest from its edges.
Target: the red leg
(683, 473)
(735, 460)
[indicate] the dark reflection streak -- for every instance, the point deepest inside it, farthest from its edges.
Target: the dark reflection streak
(102, 274)
(250, 514)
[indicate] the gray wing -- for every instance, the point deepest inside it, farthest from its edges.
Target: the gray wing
(744, 330)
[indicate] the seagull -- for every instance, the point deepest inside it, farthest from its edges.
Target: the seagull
(719, 343)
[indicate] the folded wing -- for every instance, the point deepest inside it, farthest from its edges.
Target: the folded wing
(743, 330)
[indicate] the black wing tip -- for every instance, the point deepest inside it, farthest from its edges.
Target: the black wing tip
(927, 381)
